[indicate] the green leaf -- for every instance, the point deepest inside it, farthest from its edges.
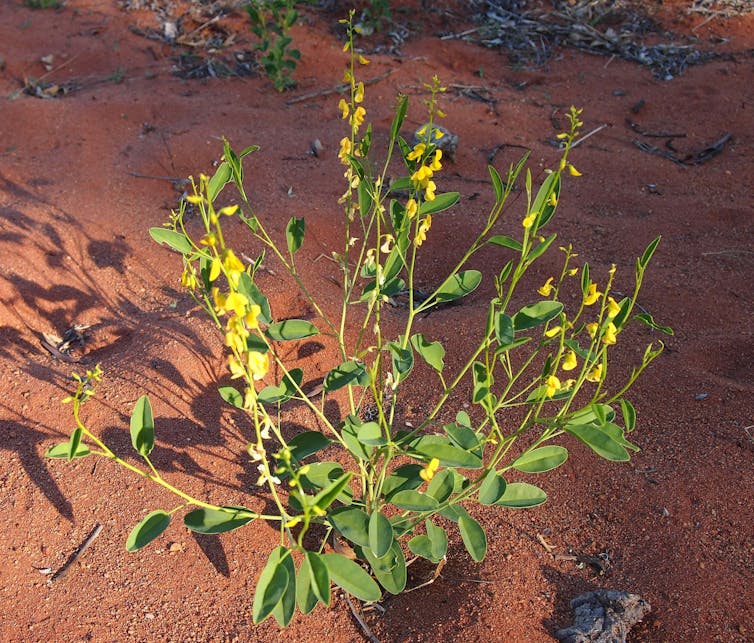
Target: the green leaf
(312, 583)
(599, 441)
(629, 415)
(347, 373)
(380, 534)
(521, 495)
(404, 477)
(431, 352)
(218, 521)
(439, 203)
(351, 577)
(63, 451)
(593, 413)
(505, 242)
(414, 500)
(371, 434)
(402, 359)
(142, 426)
(433, 446)
(464, 438)
(540, 249)
(285, 609)
(352, 523)
(497, 183)
(283, 391)
(645, 258)
(246, 286)
(329, 494)
(474, 538)
(291, 329)
(74, 443)
(482, 382)
(542, 459)
(492, 489)
(350, 435)
(294, 234)
(219, 180)
(442, 484)
(147, 530)
(321, 474)
(271, 586)
(551, 185)
(459, 285)
(231, 395)
(307, 443)
(504, 332)
(390, 569)
(536, 314)
(647, 319)
(175, 240)
(400, 115)
(364, 197)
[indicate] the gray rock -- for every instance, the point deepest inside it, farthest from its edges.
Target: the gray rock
(603, 616)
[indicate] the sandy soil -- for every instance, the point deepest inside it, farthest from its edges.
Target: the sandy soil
(674, 525)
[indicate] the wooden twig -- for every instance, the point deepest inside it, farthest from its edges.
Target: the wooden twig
(367, 632)
(586, 136)
(75, 555)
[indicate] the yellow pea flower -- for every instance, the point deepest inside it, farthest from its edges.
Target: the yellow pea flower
(553, 200)
(345, 150)
(251, 319)
(569, 362)
(546, 289)
(553, 385)
(188, 279)
(551, 332)
(573, 171)
(435, 165)
(417, 152)
(363, 61)
(344, 108)
(421, 176)
(591, 329)
(215, 269)
(428, 472)
(595, 374)
(528, 221)
(412, 207)
(610, 336)
(424, 226)
(229, 210)
(612, 308)
(358, 96)
(387, 244)
(259, 364)
(358, 117)
(209, 239)
(429, 194)
(592, 294)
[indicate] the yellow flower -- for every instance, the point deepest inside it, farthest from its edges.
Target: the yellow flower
(612, 308)
(231, 262)
(358, 96)
(236, 334)
(429, 195)
(438, 133)
(236, 367)
(592, 294)
(363, 61)
(358, 117)
(188, 279)
(428, 472)
(595, 374)
(591, 329)
(215, 269)
(259, 364)
(553, 200)
(424, 226)
(387, 244)
(345, 150)
(555, 330)
(251, 319)
(435, 165)
(417, 152)
(573, 171)
(546, 289)
(208, 239)
(229, 210)
(553, 385)
(412, 207)
(572, 272)
(610, 336)
(528, 221)
(344, 109)
(421, 176)
(569, 362)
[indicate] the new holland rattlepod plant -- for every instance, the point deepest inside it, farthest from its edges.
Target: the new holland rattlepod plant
(390, 492)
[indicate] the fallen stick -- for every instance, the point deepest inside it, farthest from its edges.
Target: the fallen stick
(75, 555)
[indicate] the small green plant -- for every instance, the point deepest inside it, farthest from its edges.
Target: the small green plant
(42, 4)
(271, 21)
(389, 489)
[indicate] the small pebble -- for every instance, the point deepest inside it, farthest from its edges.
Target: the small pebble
(701, 396)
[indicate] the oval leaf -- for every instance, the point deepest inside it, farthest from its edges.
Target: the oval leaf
(142, 426)
(536, 314)
(439, 203)
(272, 584)
(63, 451)
(380, 534)
(171, 238)
(231, 395)
(218, 521)
(459, 285)
(505, 242)
(541, 459)
(351, 372)
(351, 577)
(599, 441)
(294, 234)
(147, 530)
(389, 570)
(492, 489)
(351, 523)
(473, 536)
(291, 329)
(521, 495)
(414, 500)
(431, 352)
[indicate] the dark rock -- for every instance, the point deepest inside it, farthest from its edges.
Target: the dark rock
(603, 616)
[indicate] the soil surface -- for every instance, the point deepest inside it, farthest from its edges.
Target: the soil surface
(104, 109)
